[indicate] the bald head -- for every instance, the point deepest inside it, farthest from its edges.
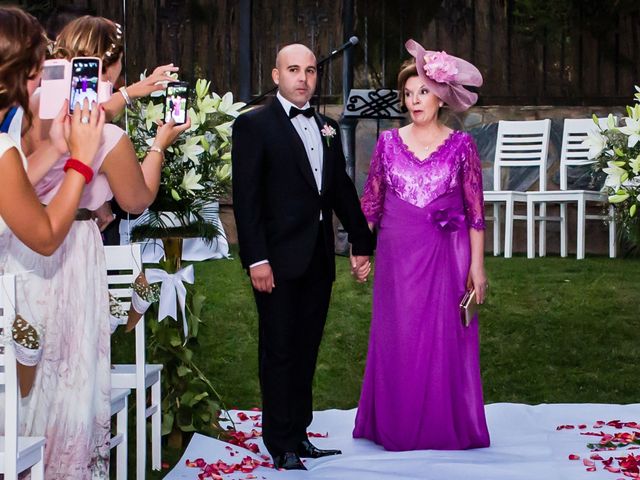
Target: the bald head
(295, 73)
(295, 50)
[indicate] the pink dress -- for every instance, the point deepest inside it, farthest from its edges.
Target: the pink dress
(65, 296)
(422, 386)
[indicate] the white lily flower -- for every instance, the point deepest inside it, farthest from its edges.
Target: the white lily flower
(195, 120)
(224, 171)
(191, 149)
(632, 130)
(153, 113)
(596, 143)
(202, 88)
(190, 181)
(615, 175)
(637, 95)
(225, 129)
(206, 105)
(227, 106)
(634, 163)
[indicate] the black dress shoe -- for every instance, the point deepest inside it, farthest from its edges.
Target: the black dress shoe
(307, 450)
(288, 461)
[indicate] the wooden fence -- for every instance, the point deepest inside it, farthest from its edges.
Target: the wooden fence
(208, 36)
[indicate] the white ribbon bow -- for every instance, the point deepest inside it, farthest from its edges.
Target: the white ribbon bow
(172, 287)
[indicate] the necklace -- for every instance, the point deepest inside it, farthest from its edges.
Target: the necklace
(424, 147)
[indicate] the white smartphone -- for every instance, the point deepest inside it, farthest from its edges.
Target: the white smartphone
(85, 76)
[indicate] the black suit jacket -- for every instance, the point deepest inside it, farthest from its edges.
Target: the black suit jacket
(275, 197)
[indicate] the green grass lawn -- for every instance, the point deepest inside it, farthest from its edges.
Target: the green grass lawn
(552, 330)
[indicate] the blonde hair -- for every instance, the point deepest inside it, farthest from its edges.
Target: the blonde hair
(90, 36)
(22, 50)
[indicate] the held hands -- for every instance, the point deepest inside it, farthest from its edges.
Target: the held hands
(82, 131)
(360, 267)
(153, 83)
(478, 280)
(262, 278)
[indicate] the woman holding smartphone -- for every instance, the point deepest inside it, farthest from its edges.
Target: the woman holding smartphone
(42, 229)
(70, 400)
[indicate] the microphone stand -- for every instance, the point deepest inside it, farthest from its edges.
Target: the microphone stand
(320, 68)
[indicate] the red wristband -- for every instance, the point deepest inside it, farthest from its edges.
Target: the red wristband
(79, 167)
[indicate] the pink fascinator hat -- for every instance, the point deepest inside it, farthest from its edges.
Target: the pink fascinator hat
(446, 76)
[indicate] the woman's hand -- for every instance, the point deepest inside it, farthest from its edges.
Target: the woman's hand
(153, 83)
(168, 132)
(57, 130)
(83, 131)
(478, 280)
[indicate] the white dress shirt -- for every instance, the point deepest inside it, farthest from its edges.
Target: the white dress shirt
(309, 133)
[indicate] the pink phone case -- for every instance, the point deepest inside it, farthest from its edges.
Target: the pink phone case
(55, 87)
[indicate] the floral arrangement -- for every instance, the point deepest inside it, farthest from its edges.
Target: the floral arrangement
(195, 174)
(197, 168)
(616, 150)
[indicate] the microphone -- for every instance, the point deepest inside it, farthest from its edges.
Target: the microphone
(348, 44)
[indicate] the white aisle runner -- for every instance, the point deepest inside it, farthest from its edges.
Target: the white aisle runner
(525, 444)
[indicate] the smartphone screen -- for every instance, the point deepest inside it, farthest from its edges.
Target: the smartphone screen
(85, 73)
(176, 102)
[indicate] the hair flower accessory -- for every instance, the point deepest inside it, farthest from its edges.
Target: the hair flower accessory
(440, 67)
(328, 132)
(446, 76)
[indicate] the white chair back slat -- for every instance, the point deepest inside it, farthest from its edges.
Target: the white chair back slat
(572, 152)
(10, 376)
(126, 260)
(522, 144)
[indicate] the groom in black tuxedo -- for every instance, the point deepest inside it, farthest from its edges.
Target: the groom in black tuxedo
(288, 178)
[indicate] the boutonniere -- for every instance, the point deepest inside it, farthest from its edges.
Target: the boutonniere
(328, 132)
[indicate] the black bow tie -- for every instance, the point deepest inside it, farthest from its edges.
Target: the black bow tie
(307, 112)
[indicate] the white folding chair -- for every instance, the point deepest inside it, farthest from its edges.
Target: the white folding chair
(573, 153)
(519, 144)
(17, 454)
(124, 263)
(119, 441)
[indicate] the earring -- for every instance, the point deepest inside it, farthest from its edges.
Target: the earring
(441, 104)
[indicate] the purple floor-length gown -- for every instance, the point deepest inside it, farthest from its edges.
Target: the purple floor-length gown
(422, 386)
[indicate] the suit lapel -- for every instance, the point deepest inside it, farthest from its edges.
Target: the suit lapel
(326, 152)
(291, 133)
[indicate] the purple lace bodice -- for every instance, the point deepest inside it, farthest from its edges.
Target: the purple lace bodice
(455, 164)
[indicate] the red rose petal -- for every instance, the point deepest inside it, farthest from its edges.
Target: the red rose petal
(573, 456)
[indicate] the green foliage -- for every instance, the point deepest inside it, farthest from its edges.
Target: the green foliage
(189, 400)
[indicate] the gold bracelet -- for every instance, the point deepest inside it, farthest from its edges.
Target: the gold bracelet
(154, 148)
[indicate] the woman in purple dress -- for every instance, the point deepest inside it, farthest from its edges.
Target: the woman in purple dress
(422, 386)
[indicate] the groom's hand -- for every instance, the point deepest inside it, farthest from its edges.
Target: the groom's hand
(360, 267)
(262, 278)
